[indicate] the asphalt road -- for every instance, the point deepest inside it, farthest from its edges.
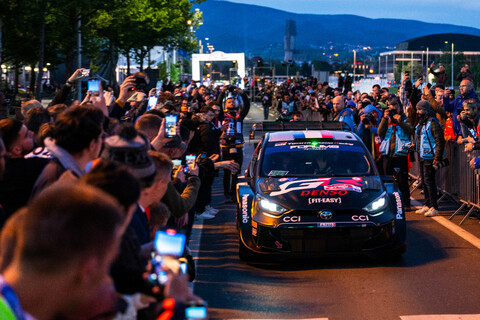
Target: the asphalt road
(437, 278)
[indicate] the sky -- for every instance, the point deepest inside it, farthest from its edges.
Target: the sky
(458, 12)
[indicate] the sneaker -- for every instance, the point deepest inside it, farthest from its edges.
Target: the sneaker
(205, 215)
(211, 210)
(432, 212)
(422, 210)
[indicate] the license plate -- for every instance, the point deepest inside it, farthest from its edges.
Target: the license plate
(326, 225)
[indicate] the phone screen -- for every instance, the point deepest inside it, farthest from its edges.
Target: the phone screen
(196, 312)
(170, 126)
(152, 102)
(94, 85)
(85, 72)
(176, 163)
(169, 244)
(190, 161)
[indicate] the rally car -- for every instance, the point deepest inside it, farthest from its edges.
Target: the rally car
(316, 193)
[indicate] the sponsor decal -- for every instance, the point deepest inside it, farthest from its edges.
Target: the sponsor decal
(398, 200)
(324, 200)
(348, 187)
(311, 147)
(300, 185)
(280, 144)
(325, 215)
(278, 244)
(245, 208)
(326, 225)
(360, 218)
(292, 219)
(323, 193)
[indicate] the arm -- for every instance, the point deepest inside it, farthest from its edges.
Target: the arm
(179, 204)
(382, 128)
(438, 135)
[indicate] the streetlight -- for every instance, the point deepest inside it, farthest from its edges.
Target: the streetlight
(452, 65)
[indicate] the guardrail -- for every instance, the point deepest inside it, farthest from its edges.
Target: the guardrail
(457, 181)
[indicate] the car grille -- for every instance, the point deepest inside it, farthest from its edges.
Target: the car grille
(326, 240)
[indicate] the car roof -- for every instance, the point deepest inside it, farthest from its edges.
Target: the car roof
(311, 134)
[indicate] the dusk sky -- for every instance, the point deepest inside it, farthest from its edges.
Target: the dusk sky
(458, 12)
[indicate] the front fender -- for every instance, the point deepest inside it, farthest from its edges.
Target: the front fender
(245, 197)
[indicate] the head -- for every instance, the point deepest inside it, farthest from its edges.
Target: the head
(156, 191)
(297, 116)
(86, 222)
(470, 106)
(56, 109)
(208, 112)
(376, 89)
(442, 68)
(79, 130)
(230, 106)
(35, 117)
(130, 148)
(29, 105)
(159, 215)
(338, 104)
(148, 124)
(424, 109)
(17, 138)
(466, 87)
(202, 90)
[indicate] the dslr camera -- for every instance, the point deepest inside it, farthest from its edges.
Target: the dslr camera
(369, 119)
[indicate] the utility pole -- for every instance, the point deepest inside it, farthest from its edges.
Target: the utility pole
(354, 64)
(452, 67)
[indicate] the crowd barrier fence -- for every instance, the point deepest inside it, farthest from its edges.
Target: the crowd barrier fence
(456, 181)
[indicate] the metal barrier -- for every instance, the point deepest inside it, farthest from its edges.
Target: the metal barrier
(457, 181)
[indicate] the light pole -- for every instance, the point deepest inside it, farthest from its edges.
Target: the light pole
(452, 66)
(354, 64)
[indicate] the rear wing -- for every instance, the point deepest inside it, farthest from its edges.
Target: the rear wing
(298, 125)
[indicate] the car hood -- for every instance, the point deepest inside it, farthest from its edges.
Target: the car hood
(325, 193)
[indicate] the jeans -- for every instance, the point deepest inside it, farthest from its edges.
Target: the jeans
(427, 174)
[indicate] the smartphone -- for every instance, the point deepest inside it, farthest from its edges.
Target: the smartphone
(168, 243)
(177, 163)
(196, 312)
(159, 86)
(152, 102)
(190, 161)
(85, 72)
(93, 85)
(171, 126)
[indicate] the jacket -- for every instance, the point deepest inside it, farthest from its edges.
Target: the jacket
(452, 106)
(429, 135)
(396, 137)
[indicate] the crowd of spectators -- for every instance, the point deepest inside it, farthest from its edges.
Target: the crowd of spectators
(86, 187)
(397, 125)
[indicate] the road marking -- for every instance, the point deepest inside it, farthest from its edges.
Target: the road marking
(443, 317)
(195, 239)
(467, 236)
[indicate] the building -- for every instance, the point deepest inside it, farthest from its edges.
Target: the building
(427, 49)
(289, 40)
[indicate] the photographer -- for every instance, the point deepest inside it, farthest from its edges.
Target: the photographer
(367, 130)
(286, 108)
(469, 122)
(430, 145)
(395, 130)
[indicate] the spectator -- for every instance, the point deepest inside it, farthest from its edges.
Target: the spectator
(20, 173)
(469, 122)
(149, 124)
(297, 116)
(50, 276)
(395, 130)
(440, 76)
(430, 145)
(465, 73)
(466, 92)
(77, 141)
(342, 114)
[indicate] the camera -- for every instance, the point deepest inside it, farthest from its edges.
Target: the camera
(392, 112)
(140, 81)
(445, 162)
(368, 119)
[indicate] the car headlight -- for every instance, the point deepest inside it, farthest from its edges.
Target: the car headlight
(270, 207)
(378, 204)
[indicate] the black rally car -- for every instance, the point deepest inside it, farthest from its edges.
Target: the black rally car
(314, 193)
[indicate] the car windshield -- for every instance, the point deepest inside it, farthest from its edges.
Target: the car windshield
(315, 159)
